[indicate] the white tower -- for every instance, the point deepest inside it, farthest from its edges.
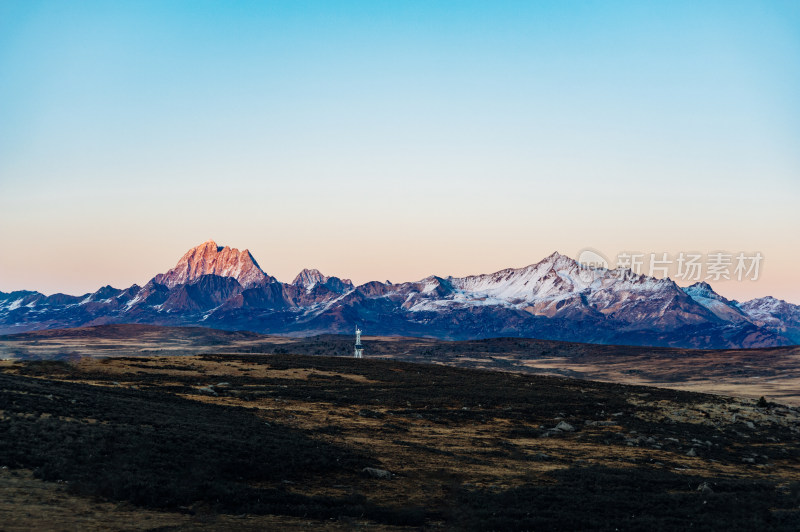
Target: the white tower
(359, 350)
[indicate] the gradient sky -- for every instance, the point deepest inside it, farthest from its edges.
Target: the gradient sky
(394, 140)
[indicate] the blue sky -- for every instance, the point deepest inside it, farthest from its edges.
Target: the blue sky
(394, 139)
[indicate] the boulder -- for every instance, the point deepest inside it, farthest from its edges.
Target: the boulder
(564, 426)
(377, 473)
(705, 489)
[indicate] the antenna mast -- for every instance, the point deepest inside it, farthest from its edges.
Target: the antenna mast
(359, 350)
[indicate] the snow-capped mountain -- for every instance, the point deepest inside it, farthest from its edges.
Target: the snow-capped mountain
(776, 315)
(309, 278)
(210, 259)
(723, 308)
(558, 286)
(555, 298)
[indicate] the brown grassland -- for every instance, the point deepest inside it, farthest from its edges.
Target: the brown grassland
(253, 441)
(770, 372)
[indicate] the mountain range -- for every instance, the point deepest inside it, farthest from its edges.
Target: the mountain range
(556, 298)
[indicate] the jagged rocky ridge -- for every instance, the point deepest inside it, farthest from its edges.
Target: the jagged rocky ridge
(224, 288)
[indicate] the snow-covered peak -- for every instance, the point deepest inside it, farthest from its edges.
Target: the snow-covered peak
(558, 285)
(553, 277)
(702, 289)
(770, 308)
(721, 307)
(310, 277)
(767, 302)
(210, 259)
(776, 314)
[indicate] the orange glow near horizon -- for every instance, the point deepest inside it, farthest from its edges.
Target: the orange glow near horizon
(77, 268)
(394, 140)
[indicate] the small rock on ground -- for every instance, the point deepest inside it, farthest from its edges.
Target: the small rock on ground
(377, 473)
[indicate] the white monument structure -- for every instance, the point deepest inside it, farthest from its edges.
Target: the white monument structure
(359, 350)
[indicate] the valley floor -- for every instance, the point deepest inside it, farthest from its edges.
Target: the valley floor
(255, 441)
(770, 372)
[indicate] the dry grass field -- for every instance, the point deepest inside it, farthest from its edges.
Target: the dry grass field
(281, 441)
(771, 372)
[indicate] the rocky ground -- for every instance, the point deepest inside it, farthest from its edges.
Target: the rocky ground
(255, 441)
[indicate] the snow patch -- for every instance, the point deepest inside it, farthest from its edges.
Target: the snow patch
(131, 303)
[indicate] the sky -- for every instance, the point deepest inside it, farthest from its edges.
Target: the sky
(394, 140)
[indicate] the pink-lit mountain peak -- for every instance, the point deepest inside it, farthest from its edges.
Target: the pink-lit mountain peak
(210, 259)
(555, 298)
